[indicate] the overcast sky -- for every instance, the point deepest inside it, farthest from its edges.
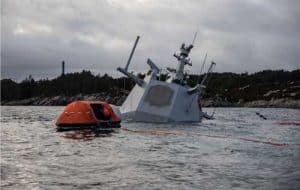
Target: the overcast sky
(97, 35)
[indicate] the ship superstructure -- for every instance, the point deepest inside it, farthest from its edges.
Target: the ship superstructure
(164, 96)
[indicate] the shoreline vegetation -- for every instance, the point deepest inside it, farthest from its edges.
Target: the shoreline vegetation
(267, 88)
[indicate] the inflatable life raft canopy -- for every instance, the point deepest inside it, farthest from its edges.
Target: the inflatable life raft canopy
(87, 114)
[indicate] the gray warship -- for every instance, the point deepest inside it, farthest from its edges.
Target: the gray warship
(163, 95)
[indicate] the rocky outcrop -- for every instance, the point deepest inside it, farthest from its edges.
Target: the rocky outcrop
(274, 103)
(64, 100)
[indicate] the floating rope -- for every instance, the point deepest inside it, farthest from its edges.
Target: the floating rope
(87, 135)
(174, 132)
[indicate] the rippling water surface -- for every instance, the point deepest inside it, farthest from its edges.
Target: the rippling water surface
(238, 150)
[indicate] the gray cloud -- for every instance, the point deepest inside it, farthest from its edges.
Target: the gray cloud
(239, 35)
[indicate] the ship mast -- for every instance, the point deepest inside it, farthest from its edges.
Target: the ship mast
(183, 59)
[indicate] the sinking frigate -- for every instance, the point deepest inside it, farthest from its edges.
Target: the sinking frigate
(163, 95)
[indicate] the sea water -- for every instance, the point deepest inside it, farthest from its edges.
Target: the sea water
(237, 150)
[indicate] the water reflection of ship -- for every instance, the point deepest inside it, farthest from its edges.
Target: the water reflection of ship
(163, 95)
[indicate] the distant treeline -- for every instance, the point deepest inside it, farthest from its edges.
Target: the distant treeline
(230, 86)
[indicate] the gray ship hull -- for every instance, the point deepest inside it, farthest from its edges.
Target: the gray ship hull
(159, 101)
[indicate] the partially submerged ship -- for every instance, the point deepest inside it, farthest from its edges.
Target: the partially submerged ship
(163, 95)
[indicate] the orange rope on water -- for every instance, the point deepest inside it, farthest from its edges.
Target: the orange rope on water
(89, 135)
(288, 122)
(173, 132)
(263, 142)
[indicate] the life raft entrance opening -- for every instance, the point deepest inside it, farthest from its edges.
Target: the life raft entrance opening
(100, 112)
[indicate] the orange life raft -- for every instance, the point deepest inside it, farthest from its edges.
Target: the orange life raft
(87, 114)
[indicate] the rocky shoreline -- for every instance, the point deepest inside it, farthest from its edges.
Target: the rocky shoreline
(63, 100)
(273, 103)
